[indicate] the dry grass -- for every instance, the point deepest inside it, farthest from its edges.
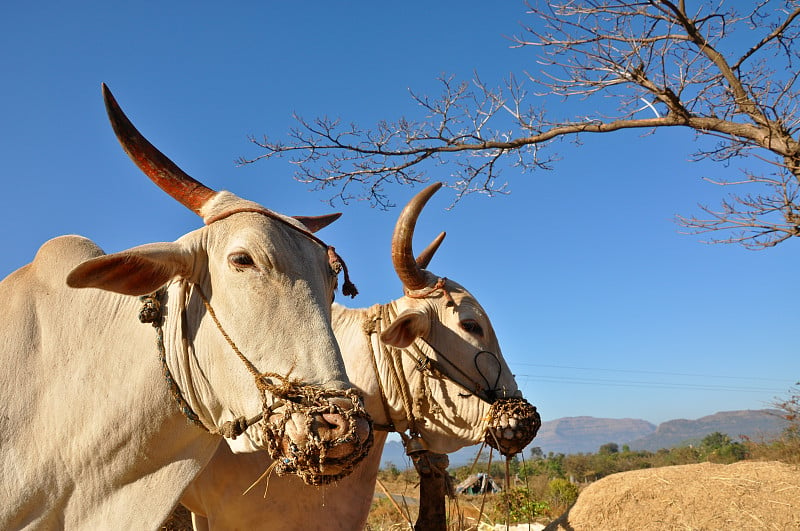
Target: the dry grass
(465, 512)
(748, 495)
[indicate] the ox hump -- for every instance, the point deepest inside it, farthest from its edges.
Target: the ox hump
(57, 257)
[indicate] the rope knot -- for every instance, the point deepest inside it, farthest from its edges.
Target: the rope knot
(233, 428)
(151, 309)
(441, 284)
(371, 324)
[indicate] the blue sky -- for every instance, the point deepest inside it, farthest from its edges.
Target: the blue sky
(601, 306)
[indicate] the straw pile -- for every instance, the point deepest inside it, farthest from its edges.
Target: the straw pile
(748, 495)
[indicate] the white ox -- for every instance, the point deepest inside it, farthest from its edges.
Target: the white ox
(90, 435)
(436, 320)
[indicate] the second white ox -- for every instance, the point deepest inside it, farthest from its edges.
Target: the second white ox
(90, 435)
(428, 363)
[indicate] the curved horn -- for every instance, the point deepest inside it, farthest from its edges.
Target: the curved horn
(402, 254)
(162, 171)
(425, 256)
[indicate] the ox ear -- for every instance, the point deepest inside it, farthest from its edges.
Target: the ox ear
(408, 326)
(315, 223)
(137, 271)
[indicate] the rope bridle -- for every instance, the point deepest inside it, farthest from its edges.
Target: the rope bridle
(337, 264)
(310, 462)
(287, 389)
(426, 363)
(442, 367)
(426, 366)
(314, 461)
(435, 481)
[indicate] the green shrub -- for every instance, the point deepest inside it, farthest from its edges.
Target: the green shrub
(561, 492)
(517, 506)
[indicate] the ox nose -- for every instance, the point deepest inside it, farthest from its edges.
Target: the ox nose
(321, 437)
(362, 428)
(336, 425)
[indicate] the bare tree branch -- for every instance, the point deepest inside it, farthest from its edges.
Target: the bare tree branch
(680, 68)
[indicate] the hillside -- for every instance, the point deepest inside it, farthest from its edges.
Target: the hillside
(755, 424)
(571, 435)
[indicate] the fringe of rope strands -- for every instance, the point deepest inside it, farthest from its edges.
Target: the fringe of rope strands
(337, 264)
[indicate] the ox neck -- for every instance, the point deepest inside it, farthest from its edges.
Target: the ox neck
(181, 388)
(405, 395)
(176, 349)
(394, 387)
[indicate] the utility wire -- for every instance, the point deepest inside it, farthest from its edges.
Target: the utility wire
(659, 373)
(533, 378)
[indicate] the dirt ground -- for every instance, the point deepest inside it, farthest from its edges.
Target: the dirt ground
(748, 495)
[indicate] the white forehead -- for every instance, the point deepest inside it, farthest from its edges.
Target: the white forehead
(224, 203)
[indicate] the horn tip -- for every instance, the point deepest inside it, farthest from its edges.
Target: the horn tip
(433, 188)
(112, 107)
(429, 190)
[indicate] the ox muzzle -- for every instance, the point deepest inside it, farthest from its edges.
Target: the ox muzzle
(317, 434)
(513, 423)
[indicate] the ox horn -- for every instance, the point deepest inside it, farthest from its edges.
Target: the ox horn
(405, 265)
(315, 223)
(425, 256)
(162, 171)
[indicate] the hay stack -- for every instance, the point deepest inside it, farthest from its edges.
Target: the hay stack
(748, 495)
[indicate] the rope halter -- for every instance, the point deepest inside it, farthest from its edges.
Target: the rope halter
(512, 422)
(312, 461)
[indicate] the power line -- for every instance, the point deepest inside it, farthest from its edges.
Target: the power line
(659, 373)
(529, 378)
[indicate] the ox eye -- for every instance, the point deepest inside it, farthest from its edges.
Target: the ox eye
(240, 260)
(472, 326)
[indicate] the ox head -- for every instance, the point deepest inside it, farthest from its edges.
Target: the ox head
(246, 315)
(465, 390)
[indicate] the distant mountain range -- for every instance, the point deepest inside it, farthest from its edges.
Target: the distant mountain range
(572, 435)
(757, 425)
